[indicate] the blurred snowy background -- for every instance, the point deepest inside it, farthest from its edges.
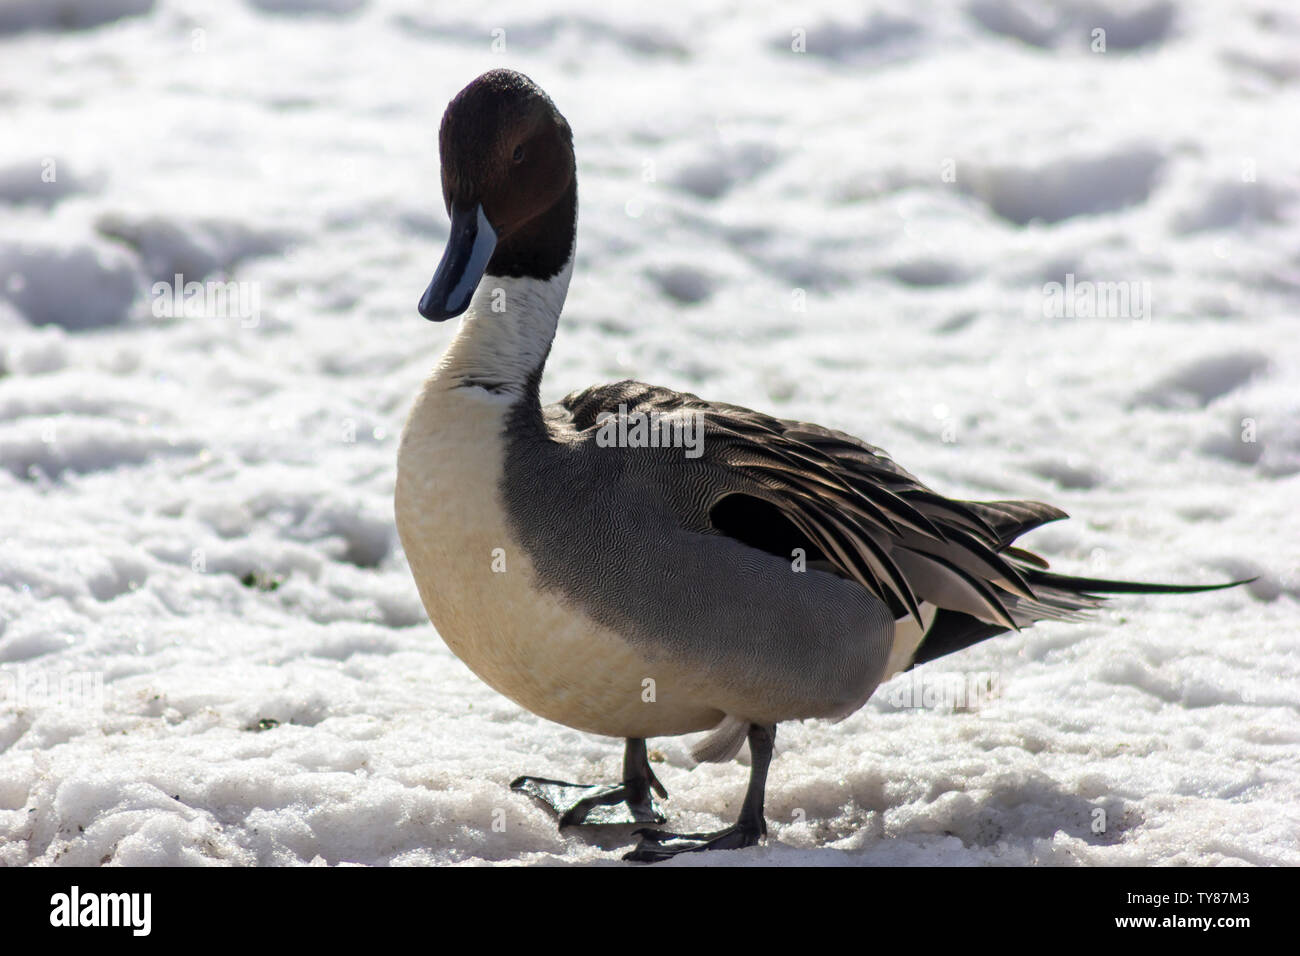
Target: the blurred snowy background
(211, 650)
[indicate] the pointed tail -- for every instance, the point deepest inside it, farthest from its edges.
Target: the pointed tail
(1075, 585)
(1060, 596)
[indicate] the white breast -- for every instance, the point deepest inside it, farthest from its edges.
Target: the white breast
(532, 646)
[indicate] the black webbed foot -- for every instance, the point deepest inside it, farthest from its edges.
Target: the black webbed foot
(578, 805)
(631, 801)
(659, 845)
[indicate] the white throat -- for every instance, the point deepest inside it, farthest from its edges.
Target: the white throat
(507, 331)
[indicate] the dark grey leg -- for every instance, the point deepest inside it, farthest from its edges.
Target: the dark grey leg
(631, 801)
(657, 845)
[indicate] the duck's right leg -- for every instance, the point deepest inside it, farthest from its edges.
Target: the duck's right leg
(631, 801)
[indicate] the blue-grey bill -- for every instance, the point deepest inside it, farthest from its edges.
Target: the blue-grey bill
(469, 247)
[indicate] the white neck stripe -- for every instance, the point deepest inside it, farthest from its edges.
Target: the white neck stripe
(506, 333)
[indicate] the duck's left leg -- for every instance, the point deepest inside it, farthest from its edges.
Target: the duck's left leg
(628, 802)
(657, 845)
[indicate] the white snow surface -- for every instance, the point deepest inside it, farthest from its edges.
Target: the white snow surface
(211, 649)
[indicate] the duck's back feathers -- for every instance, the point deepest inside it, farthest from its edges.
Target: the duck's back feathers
(782, 486)
(777, 485)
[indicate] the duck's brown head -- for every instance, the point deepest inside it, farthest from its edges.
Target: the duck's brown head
(508, 179)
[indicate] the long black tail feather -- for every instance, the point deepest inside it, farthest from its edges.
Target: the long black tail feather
(1102, 586)
(952, 631)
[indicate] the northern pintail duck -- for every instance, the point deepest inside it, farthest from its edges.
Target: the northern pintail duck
(771, 570)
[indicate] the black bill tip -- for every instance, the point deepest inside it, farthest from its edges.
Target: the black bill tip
(469, 248)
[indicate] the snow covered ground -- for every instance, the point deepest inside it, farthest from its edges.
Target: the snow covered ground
(211, 650)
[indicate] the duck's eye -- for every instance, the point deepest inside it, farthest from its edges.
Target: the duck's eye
(519, 154)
